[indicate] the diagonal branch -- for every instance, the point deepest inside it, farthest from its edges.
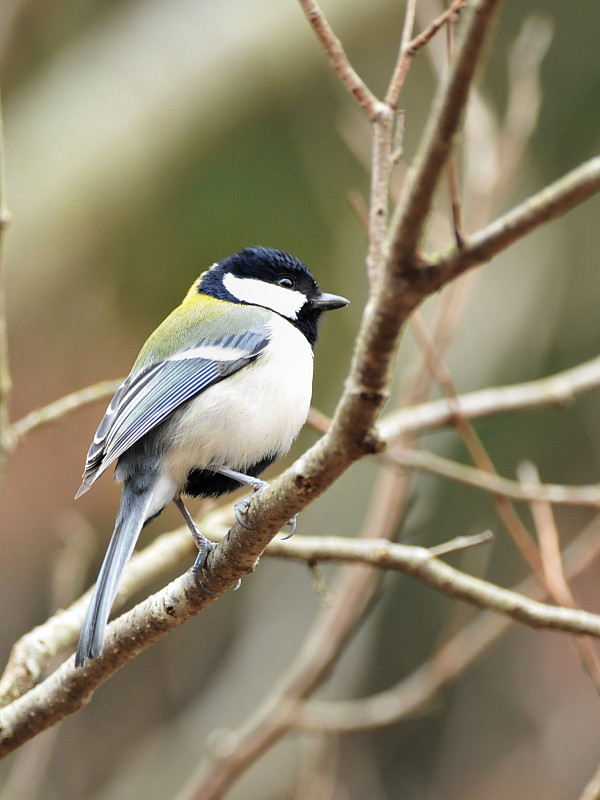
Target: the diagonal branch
(423, 176)
(558, 389)
(338, 59)
(549, 203)
(57, 409)
(417, 690)
(68, 688)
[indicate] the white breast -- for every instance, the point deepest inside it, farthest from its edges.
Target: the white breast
(253, 414)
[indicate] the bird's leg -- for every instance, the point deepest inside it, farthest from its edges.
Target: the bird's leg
(241, 507)
(203, 544)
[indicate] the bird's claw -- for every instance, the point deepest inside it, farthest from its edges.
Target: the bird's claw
(241, 508)
(204, 549)
(292, 523)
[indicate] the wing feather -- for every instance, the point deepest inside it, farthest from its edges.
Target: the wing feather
(146, 398)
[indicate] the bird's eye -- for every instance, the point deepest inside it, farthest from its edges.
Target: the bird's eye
(286, 282)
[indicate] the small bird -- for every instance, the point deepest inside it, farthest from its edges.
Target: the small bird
(218, 392)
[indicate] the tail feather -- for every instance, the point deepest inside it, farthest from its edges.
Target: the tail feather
(131, 518)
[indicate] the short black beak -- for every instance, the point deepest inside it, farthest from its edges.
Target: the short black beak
(327, 302)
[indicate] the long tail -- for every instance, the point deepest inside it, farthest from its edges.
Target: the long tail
(131, 518)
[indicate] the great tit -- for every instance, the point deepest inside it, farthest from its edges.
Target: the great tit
(218, 392)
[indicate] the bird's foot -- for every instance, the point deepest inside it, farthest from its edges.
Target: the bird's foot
(292, 523)
(203, 544)
(241, 507)
(204, 548)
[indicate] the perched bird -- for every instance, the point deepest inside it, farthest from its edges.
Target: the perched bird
(218, 392)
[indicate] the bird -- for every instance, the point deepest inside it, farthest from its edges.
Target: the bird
(218, 392)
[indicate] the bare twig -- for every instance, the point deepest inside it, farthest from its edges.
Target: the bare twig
(477, 451)
(559, 389)
(544, 206)
(404, 57)
(429, 32)
(451, 170)
(338, 59)
(552, 564)
(415, 203)
(56, 410)
(492, 482)
(5, 380)
(414, 692)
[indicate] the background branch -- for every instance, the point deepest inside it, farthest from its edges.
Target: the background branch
(390, 501)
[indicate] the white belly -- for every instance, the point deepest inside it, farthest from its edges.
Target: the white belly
(250, 415)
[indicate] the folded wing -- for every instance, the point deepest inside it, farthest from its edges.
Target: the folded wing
(146, 398)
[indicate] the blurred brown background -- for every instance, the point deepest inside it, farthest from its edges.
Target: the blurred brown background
(145, 140)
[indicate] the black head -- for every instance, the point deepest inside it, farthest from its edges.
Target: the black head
(272, 279)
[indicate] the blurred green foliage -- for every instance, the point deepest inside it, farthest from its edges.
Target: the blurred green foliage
(96, 261)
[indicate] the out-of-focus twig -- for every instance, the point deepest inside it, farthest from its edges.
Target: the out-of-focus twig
(477, 451)
(57, 409)
(414, 692)
(558, 389)
(558, 494)
(549, 203)
(5, 380)
(552, 564)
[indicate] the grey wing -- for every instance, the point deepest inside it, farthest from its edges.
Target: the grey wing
(145, 399)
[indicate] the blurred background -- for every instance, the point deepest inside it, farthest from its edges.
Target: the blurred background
(144, 141)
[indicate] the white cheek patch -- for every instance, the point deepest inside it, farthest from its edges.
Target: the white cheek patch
(286, 302)
(211, 352)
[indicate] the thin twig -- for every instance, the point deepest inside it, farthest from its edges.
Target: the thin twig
(5, 379)
(338, 59)
(451, 171)
(552, 563)
(416, 691)
(57, 409)
(558, 494)
(559, 389)
(477, 451)
(549, 203)
(429, 32)
(415, 202)
(404, 57)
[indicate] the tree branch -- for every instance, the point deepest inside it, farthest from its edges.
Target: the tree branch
(54, 411)
(491, 482)
(417, 690)
(67, 689)
(549, 203)
(338, 59)
(558, 389)
(423, 176)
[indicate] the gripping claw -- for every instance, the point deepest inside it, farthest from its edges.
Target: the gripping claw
(198, 568)
(240, 509)
(292, 523)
